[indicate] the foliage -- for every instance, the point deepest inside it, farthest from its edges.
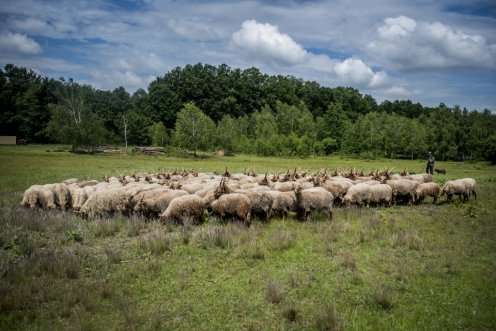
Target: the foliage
(194, 130)
(72, 122)
(251, 112)
(158, 134)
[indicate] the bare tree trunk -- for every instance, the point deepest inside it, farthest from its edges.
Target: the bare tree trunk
(125, 129)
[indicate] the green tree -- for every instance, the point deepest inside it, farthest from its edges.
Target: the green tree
(226, 133)
(194, 130)
(72, 122)
(158, 134)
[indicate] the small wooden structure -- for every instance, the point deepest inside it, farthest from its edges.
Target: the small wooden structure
(8, 140)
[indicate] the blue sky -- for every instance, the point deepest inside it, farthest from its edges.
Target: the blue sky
(425, 51)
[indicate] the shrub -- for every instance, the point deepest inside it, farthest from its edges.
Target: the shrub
(273, 291)
(382, 296)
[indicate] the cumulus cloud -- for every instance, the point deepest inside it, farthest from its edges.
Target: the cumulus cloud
(412, 45)
(16, 42)
(355, 71)
(265, 42)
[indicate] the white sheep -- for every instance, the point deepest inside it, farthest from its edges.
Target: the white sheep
(103, 202)
(182, 208)
(154, 202)
(464, 188)
(403, 189)
(358, 194)
(381, 194)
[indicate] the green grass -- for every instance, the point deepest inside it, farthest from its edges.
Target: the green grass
(427, 267)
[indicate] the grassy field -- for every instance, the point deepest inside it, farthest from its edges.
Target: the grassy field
(427, 267)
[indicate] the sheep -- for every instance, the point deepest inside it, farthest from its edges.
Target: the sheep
(184, 207)
(381, 194)
(358, 194)
(338, 188)
(70, 181)
(470, 185)
(191, 187)
(427, 178)
(105, 202)
(313, 199)
(427, 189)
(157, 202)
(464, 188)
(403, 189)
(61, 195)
(261, 204)
(284, 186)
(88, 183)
(419, 178)
(233, 205)
(78, 196)
(39, 195)
(284, 202)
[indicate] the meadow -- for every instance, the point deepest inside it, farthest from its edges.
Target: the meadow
(424, 267)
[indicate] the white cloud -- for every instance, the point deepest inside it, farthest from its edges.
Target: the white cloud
(113, 78)
(265, 42)
(16, 42)
(411, 45)
(355, 71)
(397, 27)
(192, 29)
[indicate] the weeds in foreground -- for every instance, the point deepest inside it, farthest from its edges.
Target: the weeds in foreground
(327, 319)
(348, 260)
(216, 237)
(157, 242)
(408, 240)
(283, 240)
(382, 296)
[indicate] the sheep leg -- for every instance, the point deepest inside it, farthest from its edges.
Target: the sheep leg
(284, 214)
(330, 215)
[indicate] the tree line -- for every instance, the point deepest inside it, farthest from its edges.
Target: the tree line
(205, 107)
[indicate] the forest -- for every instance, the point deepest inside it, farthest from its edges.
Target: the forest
(205, 108)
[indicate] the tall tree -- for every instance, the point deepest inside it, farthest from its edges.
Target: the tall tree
(194, 130)
(72, 122)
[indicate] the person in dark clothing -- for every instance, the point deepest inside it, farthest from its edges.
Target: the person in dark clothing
(429, 168)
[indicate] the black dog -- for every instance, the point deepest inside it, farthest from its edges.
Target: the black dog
(440, 171)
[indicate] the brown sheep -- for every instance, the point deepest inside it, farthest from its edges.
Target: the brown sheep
(313, 199)
(427, 189)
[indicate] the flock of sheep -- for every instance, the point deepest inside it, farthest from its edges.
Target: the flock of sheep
(180, 195)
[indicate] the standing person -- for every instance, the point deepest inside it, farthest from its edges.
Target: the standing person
(429, 168)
